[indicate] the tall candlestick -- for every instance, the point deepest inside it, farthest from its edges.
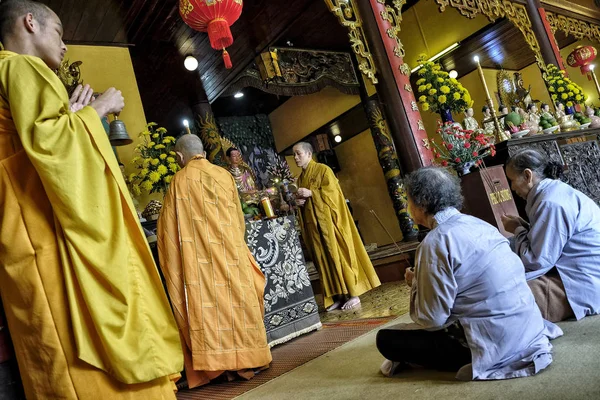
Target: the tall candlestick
(592, 67)
(500, 134)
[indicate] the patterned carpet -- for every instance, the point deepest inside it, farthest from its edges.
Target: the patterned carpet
(289, 356)
(388, 300)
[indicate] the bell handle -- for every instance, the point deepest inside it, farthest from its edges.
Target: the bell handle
(116, 115)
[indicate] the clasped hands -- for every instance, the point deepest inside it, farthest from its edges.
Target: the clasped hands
(109, 102)
(512, 222)
(301, 195)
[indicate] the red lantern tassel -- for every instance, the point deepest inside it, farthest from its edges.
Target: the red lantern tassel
(227, 59)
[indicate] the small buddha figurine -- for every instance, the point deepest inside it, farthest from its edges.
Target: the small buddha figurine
(560, 111)
(470, 123)
(503, 112)
(244, 177)
(591, 114)
(488, 127)
(546, 111)
(532, 114)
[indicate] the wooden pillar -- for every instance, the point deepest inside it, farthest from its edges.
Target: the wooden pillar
(206, 124)
(543, 33)
(394, 89)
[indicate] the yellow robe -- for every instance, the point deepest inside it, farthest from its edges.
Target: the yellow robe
(331, 237)
(83, 299)
(215, 285)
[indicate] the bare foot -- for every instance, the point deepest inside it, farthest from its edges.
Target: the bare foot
(337, 304)
(352, 302)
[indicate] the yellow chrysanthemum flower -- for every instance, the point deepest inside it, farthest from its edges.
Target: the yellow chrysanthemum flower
(170, 159)
(173, 167)
(147, 185)
(155, 136)
(151, 144)
(151, 124)
(425, 106)
(454, 81)
(570, 87)
(146, 133)
(571, 94)
(143, 173)
(146, 163)
(162, 169)
(135, 189)
(554, 97)
(154, 176)
(564, 96)
(445, 89)
(421, 81)
(569, 104)
(561, 89)
(159, 146)
(440, 80)
(428, 86)
(551, 89)
(162, 156)
(422, 88)
(132, 176)
(155, 161)
(560, 81)
(456, 96)
(168, 179)
(432, 92)
(576, 91)
(172, 153)
(442, 99)
(578, 97)
(422, 71)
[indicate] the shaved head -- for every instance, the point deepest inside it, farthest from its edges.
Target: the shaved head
(305, 146)
(189, 146)
(12, 10)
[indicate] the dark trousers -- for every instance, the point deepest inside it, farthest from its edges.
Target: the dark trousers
(438, 350)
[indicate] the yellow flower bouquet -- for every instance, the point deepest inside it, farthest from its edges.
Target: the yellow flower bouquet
(562, 89)
(155, 161)
(438, 92)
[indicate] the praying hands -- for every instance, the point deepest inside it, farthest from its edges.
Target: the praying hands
(512, 222)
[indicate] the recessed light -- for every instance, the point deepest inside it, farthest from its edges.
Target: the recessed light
(337, 139)
(238, 95)
(453, 74)
(190, 63)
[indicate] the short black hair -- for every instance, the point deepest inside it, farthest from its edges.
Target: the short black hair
(433, 189)
(230, 150)
(12, 10)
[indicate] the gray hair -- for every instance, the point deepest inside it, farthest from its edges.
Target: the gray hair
(433, 189)
(307, 147)
(536, 162)
(189, 145)
(12, 10)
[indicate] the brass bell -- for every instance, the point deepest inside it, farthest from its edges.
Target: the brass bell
(118, 135)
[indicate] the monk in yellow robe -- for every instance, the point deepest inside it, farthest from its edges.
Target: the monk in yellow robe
(84, 302)
(216, 287)
(330, 234)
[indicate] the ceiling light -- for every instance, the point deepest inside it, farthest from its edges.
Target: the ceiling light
(190, 63)
(238, 95)
(453, 74)
(337, 139)
(438, 55)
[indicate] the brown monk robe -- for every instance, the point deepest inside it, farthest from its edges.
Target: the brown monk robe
(215, 286)
(331, 235)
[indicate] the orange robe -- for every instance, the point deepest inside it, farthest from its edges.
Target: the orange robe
(83, 298)
(331, 237)
(215, 285)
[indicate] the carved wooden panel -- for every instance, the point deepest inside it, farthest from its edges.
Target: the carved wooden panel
(583, 161)
(549, 148)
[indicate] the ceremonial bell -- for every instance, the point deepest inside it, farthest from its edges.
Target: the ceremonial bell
(118, 133)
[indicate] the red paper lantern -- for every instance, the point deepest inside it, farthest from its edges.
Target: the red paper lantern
(214, 17)
(582, 57)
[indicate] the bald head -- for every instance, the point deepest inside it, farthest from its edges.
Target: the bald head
(304, 146)
(189, 146)
(12, 11)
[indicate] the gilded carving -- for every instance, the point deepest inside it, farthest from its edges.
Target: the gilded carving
(421, 125)
(185, 7)
(495, 9)
(393, 15)
(405, 69)
(348, 16)
(407, 87)
(574, 27)
(414, 106)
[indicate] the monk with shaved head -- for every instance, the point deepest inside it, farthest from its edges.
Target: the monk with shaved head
(216, 287)
(83, 298)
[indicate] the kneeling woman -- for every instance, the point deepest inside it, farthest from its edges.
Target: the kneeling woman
(471, 307)
(560, 247)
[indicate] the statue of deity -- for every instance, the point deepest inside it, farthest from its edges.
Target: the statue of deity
(591, 114)
(546, 111)
(560, 111)
(532, 114)
(523, 95)
(488, 127)
(470, 123)
(244, 177)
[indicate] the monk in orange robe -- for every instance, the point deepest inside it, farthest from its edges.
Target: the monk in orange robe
(330, 234)
(84, 302)
(216, 287)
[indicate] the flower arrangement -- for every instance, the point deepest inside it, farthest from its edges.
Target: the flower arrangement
(438, 92)
(279, 171)
(563, 89)
(460, 147)
(155, 161)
